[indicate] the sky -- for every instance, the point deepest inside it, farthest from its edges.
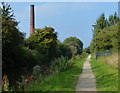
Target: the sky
(67, 18)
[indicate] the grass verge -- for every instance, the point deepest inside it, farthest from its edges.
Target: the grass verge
(63, 81)
(106, 76)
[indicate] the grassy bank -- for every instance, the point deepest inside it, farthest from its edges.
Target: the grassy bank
(63, 81)
(106, 74)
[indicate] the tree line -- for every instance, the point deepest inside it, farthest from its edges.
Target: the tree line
(20, 55)
(105, 33)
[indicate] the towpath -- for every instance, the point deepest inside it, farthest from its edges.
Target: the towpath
(86, 80)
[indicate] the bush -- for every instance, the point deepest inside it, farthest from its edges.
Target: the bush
(37, 71)
(43, 41)
(63, 50)
(60, 65)
(75, 45)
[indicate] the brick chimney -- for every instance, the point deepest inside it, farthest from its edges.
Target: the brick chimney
(32, 19)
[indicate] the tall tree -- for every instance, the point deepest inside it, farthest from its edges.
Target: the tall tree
(101, 23)
(12, 39)
(45, 41)
(105, 33)
(113, 19)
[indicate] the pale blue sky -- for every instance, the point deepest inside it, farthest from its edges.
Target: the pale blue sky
(68, 19)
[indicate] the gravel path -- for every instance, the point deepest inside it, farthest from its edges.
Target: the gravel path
(86, 80)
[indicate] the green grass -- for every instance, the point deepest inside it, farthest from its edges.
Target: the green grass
(63, 81)
(106, 76)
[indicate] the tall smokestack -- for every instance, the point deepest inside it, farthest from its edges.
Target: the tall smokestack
(32, 25)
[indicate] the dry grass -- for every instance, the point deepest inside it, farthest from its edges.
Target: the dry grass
(112, 60)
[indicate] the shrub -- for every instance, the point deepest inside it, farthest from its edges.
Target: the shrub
(63, 50)
(5, 83)
(60, 65)
(75, 45)
(36, 71)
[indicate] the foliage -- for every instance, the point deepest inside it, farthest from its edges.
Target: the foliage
(103, 22)
(107, 36)
(5, 83)
(41, 50)
(60, 64)
(42, 38)
(12, 41)
(16, 57)
(21, 85)
(44, 41)
(113, 19)
(32, 58)
(11, 38)
(87, 50)
(106, 39)
(36, 71)
(54, 82)
(74, 44)
(63, 50)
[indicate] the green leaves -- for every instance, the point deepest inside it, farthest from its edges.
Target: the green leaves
(74, 44)
(103, 22)
(106, 39)
(11, 37)
(44, 41)
(60, 64)
(113, 19)
(43, 37)
(105, 33)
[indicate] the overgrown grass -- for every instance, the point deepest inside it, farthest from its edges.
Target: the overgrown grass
(63, 81)
(106, 76)
(112, 60)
